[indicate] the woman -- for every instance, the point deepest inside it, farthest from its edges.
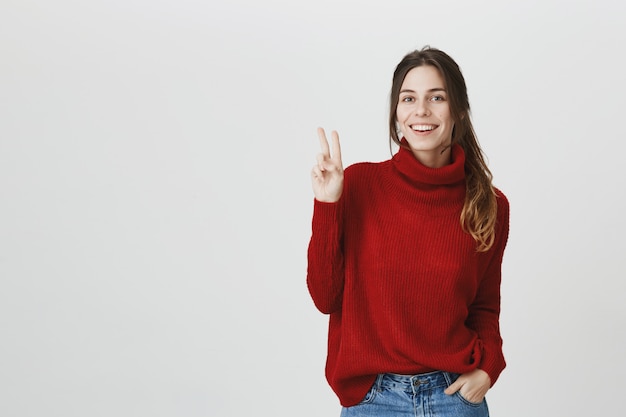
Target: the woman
(405, 256)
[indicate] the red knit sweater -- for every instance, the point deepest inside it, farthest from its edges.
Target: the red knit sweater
(405, 288)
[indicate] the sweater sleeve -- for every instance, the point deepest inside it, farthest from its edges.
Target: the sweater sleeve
(325, 270)
(484, 313)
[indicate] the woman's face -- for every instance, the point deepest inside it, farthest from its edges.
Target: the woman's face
(423, 115)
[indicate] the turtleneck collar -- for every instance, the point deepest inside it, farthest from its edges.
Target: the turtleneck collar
(407, 164)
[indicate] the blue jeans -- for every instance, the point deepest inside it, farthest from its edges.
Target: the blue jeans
(416, 396)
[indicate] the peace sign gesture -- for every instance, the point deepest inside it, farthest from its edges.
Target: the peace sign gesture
(327, 175)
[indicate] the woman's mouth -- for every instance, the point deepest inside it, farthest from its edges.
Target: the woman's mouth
(423, 127)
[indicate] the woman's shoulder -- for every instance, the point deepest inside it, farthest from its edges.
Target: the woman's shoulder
(363, 176)
(503, 215)
(366, 167)
(503, 201)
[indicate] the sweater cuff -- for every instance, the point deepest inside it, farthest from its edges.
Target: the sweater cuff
(493, 364)
(325, 214)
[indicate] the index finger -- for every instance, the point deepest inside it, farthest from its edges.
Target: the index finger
(323, 142)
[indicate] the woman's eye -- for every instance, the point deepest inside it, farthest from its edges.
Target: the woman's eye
(436, 98)
(407, 99)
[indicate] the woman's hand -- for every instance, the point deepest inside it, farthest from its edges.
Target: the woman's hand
(473, 386)
(327, 175)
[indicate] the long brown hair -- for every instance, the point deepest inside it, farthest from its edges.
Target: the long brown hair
(478, 216)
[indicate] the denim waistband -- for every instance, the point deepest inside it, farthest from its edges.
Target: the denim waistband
(411, 383)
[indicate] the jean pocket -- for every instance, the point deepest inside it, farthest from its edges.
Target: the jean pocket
(450, 378)
(371, 394)
(468, 402)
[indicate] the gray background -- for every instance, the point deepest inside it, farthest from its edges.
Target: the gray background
(156, 202)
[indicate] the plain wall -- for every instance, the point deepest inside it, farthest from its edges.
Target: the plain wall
(155, 199)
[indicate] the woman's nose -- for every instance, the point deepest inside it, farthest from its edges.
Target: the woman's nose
(421, 109)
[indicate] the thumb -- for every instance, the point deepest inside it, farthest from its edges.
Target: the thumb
(454, 387)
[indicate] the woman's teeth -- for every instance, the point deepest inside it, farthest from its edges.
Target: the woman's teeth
(422, 128)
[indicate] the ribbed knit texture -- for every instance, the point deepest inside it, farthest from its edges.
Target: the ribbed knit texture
(405, 288)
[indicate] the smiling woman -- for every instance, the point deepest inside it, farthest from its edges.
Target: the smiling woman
(424, 231)
(423, 116)
(435, 71)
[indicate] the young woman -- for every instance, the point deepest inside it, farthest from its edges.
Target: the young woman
(405, 256)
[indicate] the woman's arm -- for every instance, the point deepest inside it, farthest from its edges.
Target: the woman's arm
(484, 313)
(325, 271)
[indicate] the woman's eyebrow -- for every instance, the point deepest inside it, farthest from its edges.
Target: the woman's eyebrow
(432, 90)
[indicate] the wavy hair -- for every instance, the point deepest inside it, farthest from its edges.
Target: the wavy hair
(478, 217)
